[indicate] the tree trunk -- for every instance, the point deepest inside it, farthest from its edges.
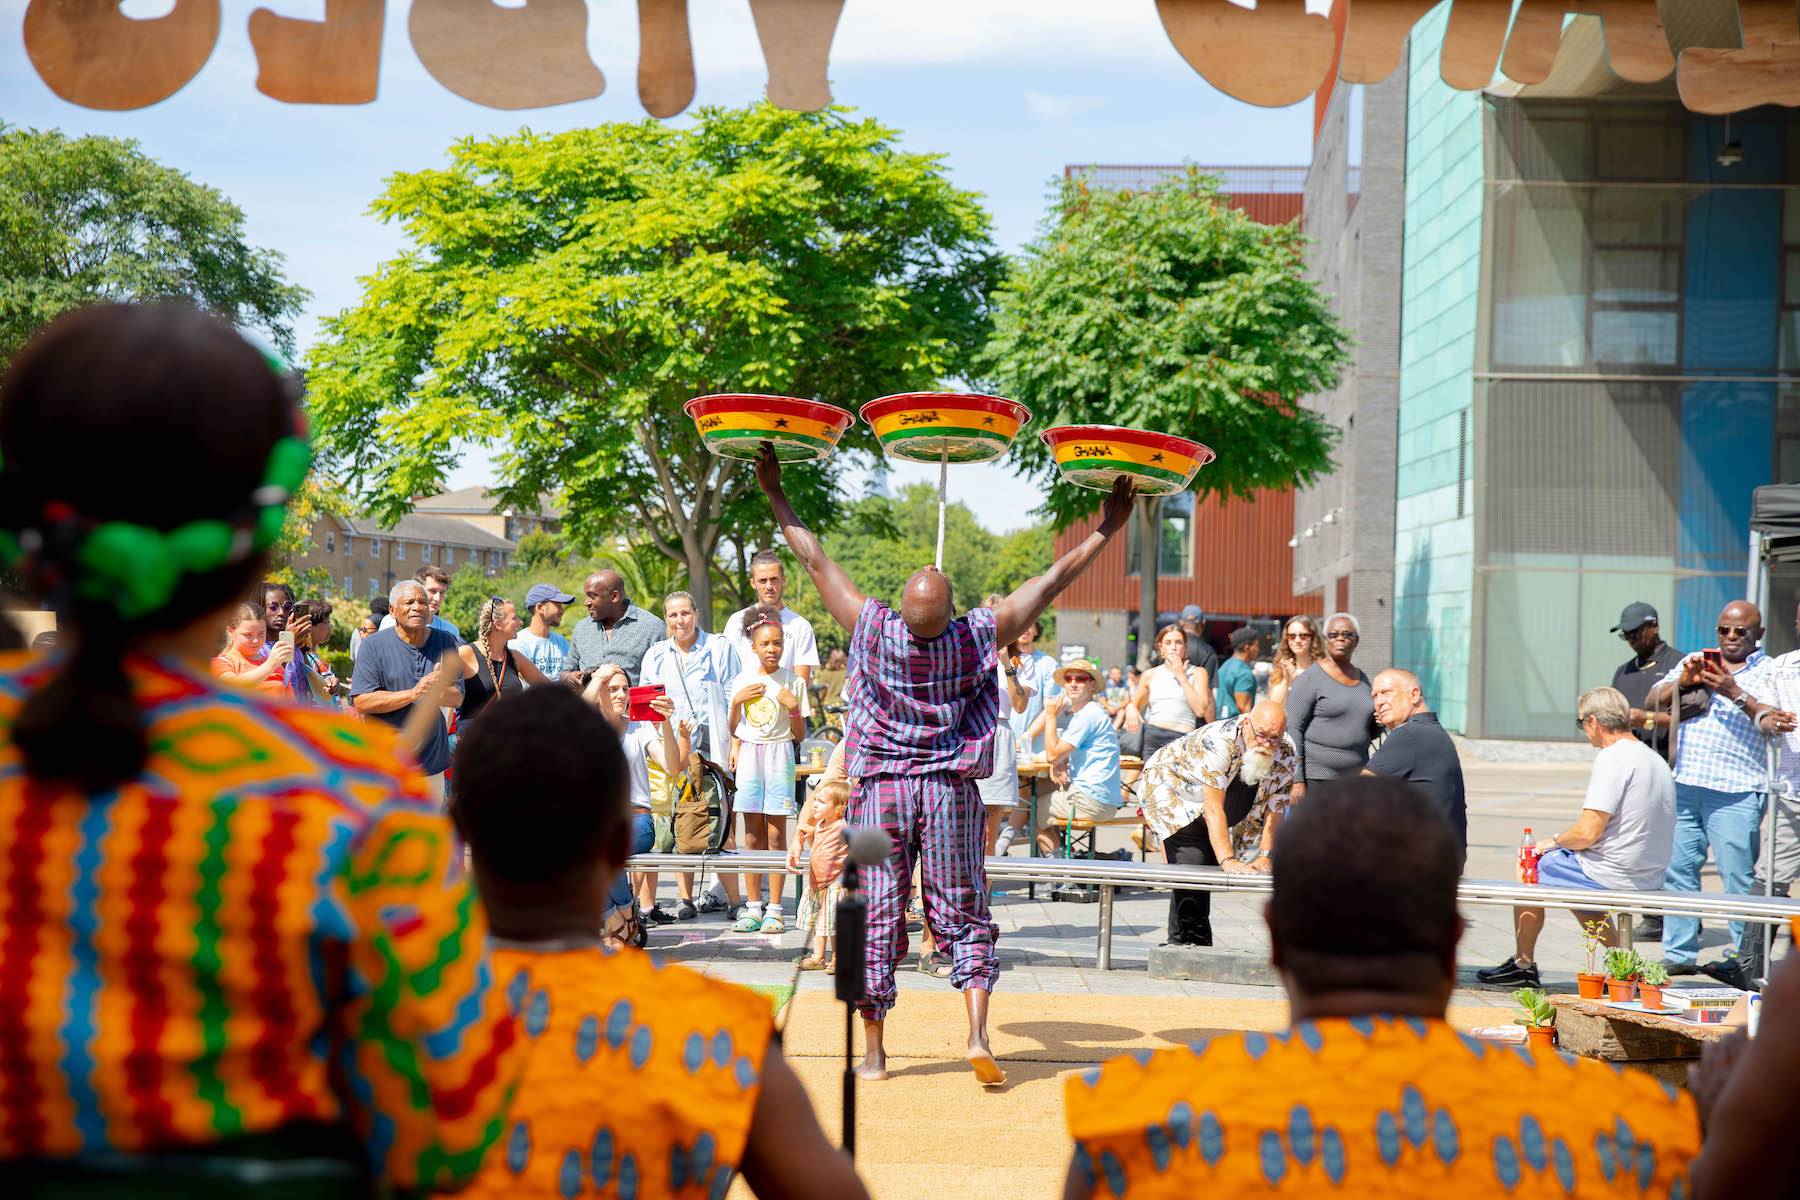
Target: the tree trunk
(1149, 508)
(700, 587)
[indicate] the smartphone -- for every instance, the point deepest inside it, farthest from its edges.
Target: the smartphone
(286, 637)
(1712, 660)
(640, 702)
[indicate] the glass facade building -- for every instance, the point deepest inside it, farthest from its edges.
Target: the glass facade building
(1600, 358)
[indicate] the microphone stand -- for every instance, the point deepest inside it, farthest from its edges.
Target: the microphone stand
(851, 982)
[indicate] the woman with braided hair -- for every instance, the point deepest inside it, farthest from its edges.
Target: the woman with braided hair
(229, 924)
(490, 669)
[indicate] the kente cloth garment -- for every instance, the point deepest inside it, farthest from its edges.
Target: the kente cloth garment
(269, 925)
(640, 1081)
(1211, 757)
(1376, 1106)
(939, 823)
(918, 706)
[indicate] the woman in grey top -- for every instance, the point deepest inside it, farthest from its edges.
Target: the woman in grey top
(1331, 711)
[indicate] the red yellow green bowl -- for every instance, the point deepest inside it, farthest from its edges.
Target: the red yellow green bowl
(923, 426)
(1093, 456)
(736, 425)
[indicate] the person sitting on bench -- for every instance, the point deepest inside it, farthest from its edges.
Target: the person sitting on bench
(655, 1080)
(1084, 755)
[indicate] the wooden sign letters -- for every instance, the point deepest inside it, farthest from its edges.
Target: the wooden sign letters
(535, 55)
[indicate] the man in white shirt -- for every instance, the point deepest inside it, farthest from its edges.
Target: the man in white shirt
(799, 649)
(539, 641)
(1786, 673)
(1621, 842)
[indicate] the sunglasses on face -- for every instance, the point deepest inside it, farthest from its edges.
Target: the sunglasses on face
(1260, 736)
(1581, 723)
(1342, 635)
(1302, 636)
(1742, 631)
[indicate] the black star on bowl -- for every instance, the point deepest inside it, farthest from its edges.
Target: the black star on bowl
(1157, 457)
(781, 423)
(987, 420)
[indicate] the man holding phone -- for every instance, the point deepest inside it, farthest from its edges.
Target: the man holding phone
(1721, 782)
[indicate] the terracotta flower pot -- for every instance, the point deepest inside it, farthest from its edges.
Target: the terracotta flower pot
(1650, 994)
(1620, 990)
(1590, 985)
(1541, 1037)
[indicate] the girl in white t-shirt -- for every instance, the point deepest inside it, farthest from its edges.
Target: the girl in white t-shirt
(769, 707)
(664, 742)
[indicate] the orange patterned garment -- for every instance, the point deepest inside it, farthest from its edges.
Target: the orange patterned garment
(640, 1081)
(1376, 1107)
(270, 925)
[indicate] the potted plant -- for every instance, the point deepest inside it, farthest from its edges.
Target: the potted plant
(1622, 966)
(1537, 1016)
(1590, 984)
(1652, 978)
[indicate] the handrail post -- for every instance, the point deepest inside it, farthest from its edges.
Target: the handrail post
(1622, 923)
(1104, 955)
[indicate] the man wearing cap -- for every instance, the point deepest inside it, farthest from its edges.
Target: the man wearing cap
(1652, 658)
(539, 640)
(1200, 652)
(1083, 754)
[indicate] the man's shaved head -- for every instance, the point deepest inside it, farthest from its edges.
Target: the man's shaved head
(1269, 717)
(1740, 628)
(1397, 696)
(927, 604)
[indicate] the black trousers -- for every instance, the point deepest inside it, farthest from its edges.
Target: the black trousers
(1190, 911)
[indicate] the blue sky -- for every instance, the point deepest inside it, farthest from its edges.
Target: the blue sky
(1007, 90)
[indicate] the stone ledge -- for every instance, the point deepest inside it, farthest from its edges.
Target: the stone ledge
(1212, 964)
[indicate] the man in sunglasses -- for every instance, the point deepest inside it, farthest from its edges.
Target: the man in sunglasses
(1721, 783)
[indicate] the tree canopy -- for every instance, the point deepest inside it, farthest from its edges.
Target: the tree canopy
(96, 219)
(563, 295)
(1168, 310)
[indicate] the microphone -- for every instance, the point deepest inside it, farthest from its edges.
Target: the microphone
(869, 847)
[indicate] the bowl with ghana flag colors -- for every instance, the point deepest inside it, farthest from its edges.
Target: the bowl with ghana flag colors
(1093, 456)
(935, 427)
(735, 425)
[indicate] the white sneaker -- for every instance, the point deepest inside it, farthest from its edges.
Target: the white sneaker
(1004, 842)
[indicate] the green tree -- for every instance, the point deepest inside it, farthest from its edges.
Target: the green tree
(563, 295)
(95, 218)
(537, 551)
(1168, 310)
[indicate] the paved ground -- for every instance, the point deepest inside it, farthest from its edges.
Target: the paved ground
(1049, 946)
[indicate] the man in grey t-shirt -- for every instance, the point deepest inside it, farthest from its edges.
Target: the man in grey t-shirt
(1621, 841)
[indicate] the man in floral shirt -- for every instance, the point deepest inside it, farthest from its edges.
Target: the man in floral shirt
(1217, 796)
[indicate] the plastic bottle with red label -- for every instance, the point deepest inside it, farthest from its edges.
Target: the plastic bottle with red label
(1528, 857)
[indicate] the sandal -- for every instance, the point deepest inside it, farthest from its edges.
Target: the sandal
(936, 964)
(831, 965)
(813, 962)
(771, 924)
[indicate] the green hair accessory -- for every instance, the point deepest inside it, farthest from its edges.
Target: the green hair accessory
(139, 568)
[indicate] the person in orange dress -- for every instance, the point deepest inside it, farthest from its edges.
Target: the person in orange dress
(1369, 1093)
(243, 660)
(640, 1080)
(227, 927)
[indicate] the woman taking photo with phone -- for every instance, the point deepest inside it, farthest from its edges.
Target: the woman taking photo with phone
(662, 741)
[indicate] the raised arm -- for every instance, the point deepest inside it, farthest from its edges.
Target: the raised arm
(842, 600)
(1014, 615)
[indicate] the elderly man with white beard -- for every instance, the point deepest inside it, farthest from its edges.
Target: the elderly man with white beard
(1217, 797)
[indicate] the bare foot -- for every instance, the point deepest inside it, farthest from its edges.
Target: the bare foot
(872, 1069)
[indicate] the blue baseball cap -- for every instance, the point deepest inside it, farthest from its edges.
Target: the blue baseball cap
(540, 592)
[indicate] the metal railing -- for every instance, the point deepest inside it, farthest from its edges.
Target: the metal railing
(1108, 875)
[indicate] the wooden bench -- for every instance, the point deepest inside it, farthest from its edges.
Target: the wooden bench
(1662, 1045)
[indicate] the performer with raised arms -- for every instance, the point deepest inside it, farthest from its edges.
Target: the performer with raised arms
(922, 706)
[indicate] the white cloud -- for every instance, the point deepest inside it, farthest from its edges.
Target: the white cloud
(1050, 106)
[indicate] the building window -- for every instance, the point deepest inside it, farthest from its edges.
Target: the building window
(374, 587)
(399, 549)
(1175, 533)
(349, 586)
(374, 547)
(1790, 274)
(331, 543)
